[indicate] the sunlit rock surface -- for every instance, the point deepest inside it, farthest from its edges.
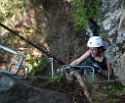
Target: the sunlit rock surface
(114, 25)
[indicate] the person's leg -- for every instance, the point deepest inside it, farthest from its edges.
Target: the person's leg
(104, 73)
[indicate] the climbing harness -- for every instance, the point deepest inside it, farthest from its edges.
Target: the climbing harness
(18, 65)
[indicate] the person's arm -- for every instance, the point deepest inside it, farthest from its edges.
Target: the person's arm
(104, 72)
(109, 67)
(80, 59)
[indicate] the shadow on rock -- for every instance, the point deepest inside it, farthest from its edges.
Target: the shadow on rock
(15, 91)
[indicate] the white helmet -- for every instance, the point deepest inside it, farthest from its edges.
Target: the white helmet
(95, 41)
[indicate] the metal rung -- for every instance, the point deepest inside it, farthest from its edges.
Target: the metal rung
(85, 68)
(24, 66)
(82, 67)
(19, 64)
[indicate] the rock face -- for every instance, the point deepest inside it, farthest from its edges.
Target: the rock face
(12, 91)
(114, 25)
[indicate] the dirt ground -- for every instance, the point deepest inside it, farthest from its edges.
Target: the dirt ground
(72, 89)
(109, 93)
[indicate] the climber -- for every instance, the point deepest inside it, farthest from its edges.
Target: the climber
(95, 57)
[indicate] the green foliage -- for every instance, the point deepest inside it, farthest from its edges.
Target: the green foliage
(105, 36)
(121, 8)
(85, 10)
(114, 89)
(8, 7)
(57, 78)
(37, 66)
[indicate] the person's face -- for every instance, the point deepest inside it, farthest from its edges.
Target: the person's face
(94, 51)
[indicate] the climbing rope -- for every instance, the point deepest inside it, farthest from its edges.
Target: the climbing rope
(60, 62)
